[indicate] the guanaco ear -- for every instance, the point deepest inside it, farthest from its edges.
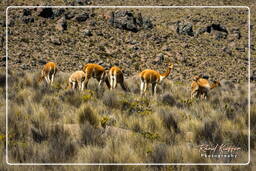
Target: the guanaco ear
(170, 65)
(195, 78)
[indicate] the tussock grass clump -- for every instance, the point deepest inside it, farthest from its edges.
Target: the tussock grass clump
(168, 120)
(168, 99)
(110, 99)
(85, 113)
(61, 145)
(53, 106)
(71, 97)
(210, 133)
(159, 153)
(91, 135)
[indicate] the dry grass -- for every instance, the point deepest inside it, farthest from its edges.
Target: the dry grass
(59, 125)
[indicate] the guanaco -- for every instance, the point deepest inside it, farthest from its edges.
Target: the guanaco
(151, 76)
(48, 72)
(116, 76)
(95, 71)
(77, 79)
(201, 86)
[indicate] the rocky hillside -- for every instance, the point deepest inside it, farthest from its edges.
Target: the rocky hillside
(198, 41)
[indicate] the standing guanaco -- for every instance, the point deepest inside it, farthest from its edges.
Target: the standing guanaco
(48, 72)
(77, 79)
(116, 76)
(95, 71)
(151, 76)
(201, 86)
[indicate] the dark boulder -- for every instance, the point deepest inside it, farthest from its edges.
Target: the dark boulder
(26, 12)
(220, 30)
(127, 20)
(185, 28)
(82, 17)
(45, 12)
(87, 32)
(69, 15)
(220, 35)
(253, 76)
(61, 24)
(42, 62)
(58, 12)
(219, 27)
(28, 19)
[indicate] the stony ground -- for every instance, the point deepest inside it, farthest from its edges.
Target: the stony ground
(134, 39)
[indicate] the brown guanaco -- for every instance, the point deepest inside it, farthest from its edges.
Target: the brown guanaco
(201, 86)
(116, 76)
(95, 71)
(77, 79)
(48, 72)
(154, 77)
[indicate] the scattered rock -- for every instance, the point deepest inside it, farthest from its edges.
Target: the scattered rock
(82, 17)
(220, 35)
(10, 22)
(81, 2)
(227, 50)
(3, 58)
(42, 62)
(166, 48)
(159, 59)
(69, 15)
(58, 12)
(55, 41)
(185, 29)
(127, 20)
(45, 12)
(87, 32)
(220, 31)
(25, 66)
(240, 49)
(26, 12)
(28, 19)
(219, 27)
(253, 76)
(61, 24)
(236, 33)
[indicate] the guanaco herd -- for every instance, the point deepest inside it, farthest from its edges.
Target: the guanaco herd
(199, 88)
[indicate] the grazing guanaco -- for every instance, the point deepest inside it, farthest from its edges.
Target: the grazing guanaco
(116, 76)
(95, 71)
(48, 72)
(151, 76)
(201, 86)
(77, 79)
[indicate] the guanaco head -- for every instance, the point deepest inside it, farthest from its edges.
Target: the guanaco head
(216, 84)
(170, 66)
(195, 78)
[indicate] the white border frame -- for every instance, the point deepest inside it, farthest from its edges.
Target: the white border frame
(112, 7)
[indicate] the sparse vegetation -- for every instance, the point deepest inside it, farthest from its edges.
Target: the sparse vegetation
(120, 123)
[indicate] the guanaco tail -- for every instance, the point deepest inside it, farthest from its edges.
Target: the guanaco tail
(116, 76)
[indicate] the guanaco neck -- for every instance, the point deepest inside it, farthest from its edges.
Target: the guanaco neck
(166, 74)
(214, 85)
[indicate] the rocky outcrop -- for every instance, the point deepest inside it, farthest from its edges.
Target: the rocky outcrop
(127, 20)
